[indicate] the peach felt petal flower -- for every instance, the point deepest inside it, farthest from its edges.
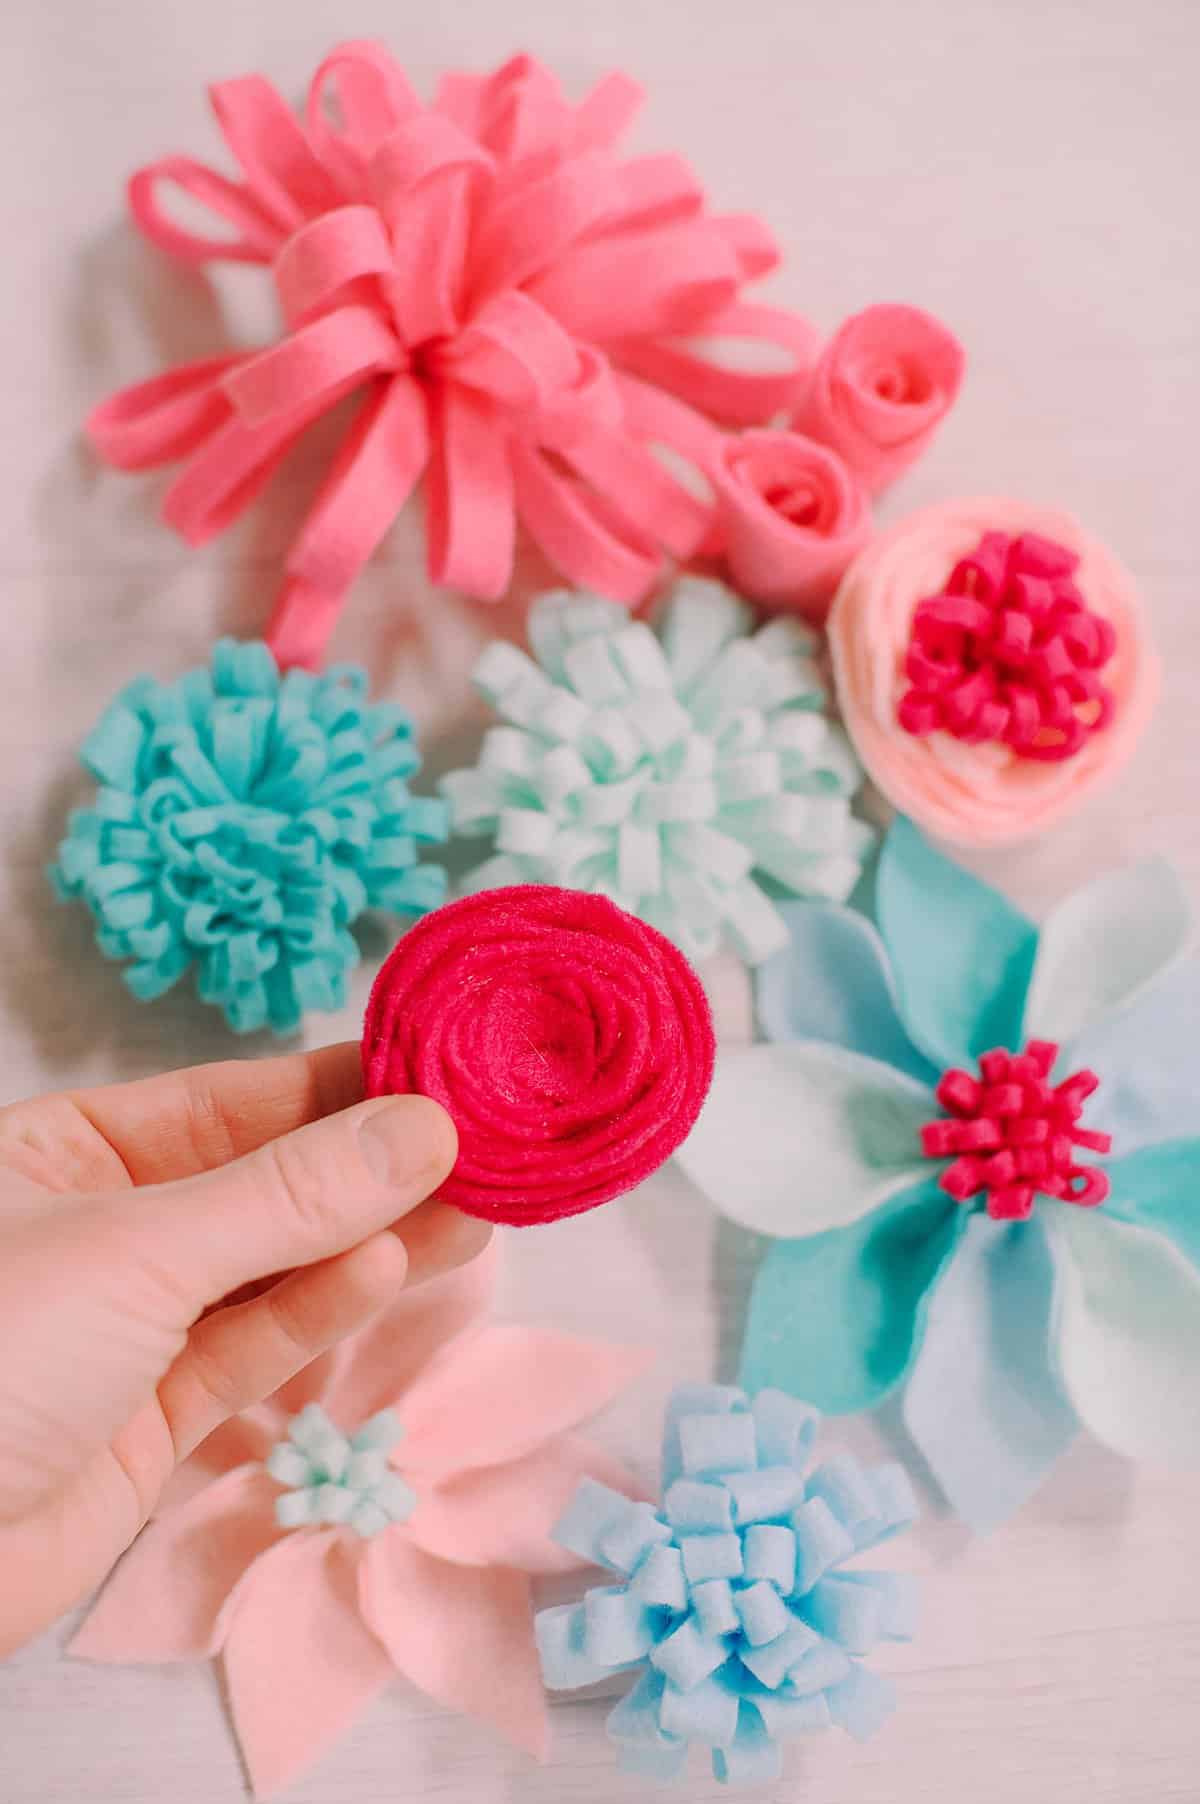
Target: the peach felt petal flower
(967, 781)
(417, 1561)
(793, 518)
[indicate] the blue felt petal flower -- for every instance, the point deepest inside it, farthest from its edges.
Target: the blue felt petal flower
(734, 1599)
(840, 1316)
(961, 956)
(983, 1402)
(832, 982)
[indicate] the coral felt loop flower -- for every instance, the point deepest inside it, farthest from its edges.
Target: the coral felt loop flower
(243, 821)
(571, 1044)
(792, 517)
(503, 293)
(679, 768)
(993, 667)
(972, 1140)
(734, 1598)
(392, 1527)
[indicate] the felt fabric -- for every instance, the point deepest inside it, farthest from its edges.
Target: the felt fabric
(683, 769)
(792, 518)
(988, 793)
(242, 823)
(732, 1600)
(883, 385)
(313, 1621)
(571, 1043)
(1006, 1333)
(504, 291)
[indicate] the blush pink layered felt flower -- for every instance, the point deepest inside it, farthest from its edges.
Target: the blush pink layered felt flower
(312, 1622)
(506, 296)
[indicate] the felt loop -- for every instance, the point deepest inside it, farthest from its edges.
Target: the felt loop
(734, 397)
(571, 1044)
(492, 243)
(744, 1636)
(660, 766)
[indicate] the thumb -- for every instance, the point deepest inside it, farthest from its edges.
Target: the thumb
(303, 1198)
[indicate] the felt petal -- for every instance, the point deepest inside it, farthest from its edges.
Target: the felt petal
(166, 1598)
(1159, 1187)
(983, 1402)
(799, 1138)
(1100, 948)
(1148, 1058)
(503, 1515)
(299, 1662)
(245, 1439)
(374, 1368)
(462, 1635)
(961, 956)
(832, 983)
(1129, 1334)
(503, 1390)
(836, 1318)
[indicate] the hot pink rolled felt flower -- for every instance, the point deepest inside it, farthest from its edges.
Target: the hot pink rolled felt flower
(792, 517)
(273, 1557)
(941, 726)
(884, 383)
(571, 1043)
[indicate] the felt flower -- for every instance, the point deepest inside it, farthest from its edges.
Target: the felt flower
(792, 516)
(242, 823)
(678, 769)
(315, 1608)
(571, 1043)
(925, 1140)
(504, 293)
(733, 1598)
(882, 387)
(993, 667)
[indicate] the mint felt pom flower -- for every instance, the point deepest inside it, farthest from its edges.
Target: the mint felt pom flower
(243, 821)
(733, 1599)
(680, 769)
(927, 1142)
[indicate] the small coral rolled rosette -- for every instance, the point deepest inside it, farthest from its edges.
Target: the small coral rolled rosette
(882, 387)
(793, 518)
(993, 667)
(571, 1044)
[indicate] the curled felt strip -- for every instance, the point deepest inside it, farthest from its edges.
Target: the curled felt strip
(733, 1599)
(504, 293)
(792, 517)
(326, 1558)
(242, 822)
(1038, 698)
(571, 1044)
(679, 769)
(883, 385)
(927, 1143)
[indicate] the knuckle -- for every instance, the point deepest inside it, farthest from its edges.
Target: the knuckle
(306, 1182)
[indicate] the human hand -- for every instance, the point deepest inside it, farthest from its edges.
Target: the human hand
(266, 1187)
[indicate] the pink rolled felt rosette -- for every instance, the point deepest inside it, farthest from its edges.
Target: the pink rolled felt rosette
(880, 390)
(992, 665)
(793, 517)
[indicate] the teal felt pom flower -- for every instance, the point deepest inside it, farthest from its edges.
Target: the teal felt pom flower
(734, 1598)
(680, 770)
(243, 821)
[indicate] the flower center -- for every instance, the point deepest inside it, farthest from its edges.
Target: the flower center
(1012, 1134)
(330, 1478)
(1010, 651)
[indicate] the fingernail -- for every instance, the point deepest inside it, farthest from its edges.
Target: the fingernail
(408, 1139)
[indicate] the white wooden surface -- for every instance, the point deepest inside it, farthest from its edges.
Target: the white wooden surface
(1025, 168)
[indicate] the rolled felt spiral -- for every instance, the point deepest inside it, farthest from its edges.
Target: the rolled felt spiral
(571, 1043)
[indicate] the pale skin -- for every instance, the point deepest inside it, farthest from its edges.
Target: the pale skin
(172, 1251)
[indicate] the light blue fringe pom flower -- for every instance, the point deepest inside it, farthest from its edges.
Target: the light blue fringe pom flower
(243, 821)
(671, 769)
(733, 1598)
(331, 1479)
